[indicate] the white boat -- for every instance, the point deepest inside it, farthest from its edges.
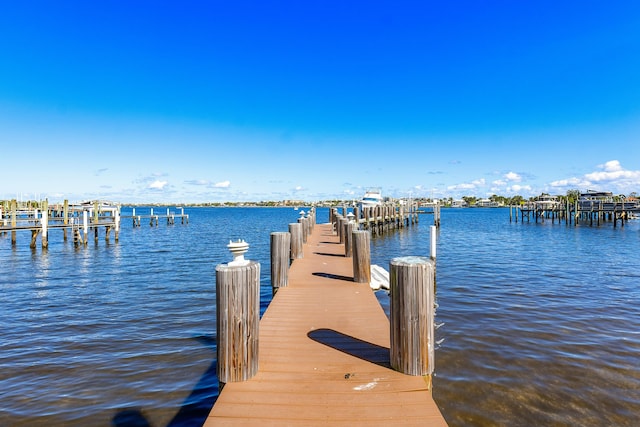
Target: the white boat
(372, 197)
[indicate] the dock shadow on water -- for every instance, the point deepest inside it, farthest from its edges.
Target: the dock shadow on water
(195, 408)
(130, 418)
(352, 346)
(198, 404)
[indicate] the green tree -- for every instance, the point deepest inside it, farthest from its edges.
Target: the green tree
(573, 195)
(516, 200)
(470, 200)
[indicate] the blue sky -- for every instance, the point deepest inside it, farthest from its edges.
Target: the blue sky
(193, 101)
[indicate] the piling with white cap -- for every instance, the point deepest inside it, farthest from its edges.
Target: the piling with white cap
(237, 315)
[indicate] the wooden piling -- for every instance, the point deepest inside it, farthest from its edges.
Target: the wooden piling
(303, 229)
(295, 229)
(14, 208)
(237, 320)
(280, 259)
(348, 241)
(342, 221)
(411, 281)
(361, 256)
(34, 236)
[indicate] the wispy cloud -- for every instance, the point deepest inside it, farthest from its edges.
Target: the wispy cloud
(468, 185)
(222, 184)
(517, 188)
(157, 185)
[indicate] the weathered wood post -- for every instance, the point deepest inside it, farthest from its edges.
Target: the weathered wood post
(96, 216)
(304, 229)
(306, 225)
(14, 208)
(311, 216)
(280, 259)
(412, 309)
(65, 218)
(237, 316)
(296, 240)
(367, 214)
(342, 221)
(348, 241)
(361, 256)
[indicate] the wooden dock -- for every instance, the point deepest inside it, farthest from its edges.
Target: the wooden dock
(324, 355)
(170, 217)
(67, 217)
(590, 206)
(77, 218)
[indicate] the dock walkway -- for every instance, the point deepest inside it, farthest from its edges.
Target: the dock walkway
(324, 355)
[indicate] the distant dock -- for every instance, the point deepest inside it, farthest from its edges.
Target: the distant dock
(592, 207)
(154, 218)
(79, 219)
(325, 346)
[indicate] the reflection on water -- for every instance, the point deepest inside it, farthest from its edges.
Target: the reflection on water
(539, 324)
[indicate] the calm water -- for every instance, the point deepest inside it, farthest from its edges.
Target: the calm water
(539, 324)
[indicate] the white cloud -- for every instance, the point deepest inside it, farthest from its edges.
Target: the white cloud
(611, 166)
(518, 188)
(158, 185)
(468, 185)
(611, 176)
(499, 182)
(613, 171)
(570, 182)
(222, 184)
(512, 176)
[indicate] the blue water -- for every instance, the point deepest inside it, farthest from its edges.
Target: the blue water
(539, 324)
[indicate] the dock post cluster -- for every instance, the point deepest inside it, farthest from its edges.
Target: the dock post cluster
(305, 264)
(594, 212)
(41, 218)
(306, 348)
(154, 218)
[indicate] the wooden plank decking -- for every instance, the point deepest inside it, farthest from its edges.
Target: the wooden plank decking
(324, 355)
